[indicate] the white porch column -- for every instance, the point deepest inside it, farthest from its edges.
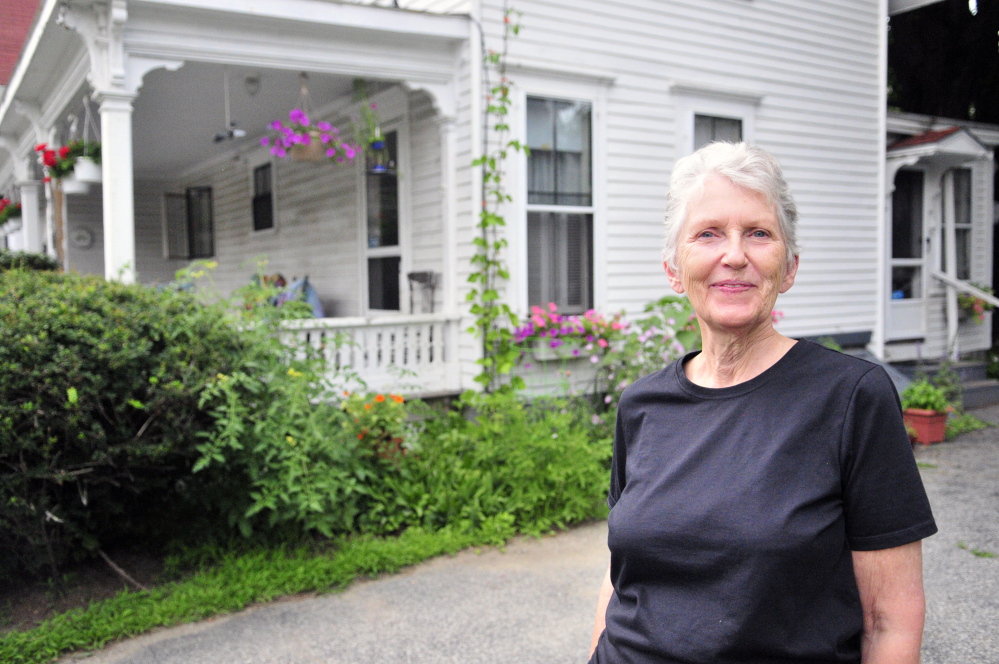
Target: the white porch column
(118, 192)
(950, 251)
(31, 220)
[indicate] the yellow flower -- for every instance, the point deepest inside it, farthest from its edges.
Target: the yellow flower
(293, 373)
(289, 440)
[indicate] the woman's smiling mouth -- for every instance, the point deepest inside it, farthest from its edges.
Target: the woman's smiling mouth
(732, 286)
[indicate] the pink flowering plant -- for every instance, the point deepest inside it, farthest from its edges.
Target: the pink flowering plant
(299, 131)
(669, 331)
(588, 335)
(975, 307)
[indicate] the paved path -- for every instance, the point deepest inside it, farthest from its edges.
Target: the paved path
(533, 604)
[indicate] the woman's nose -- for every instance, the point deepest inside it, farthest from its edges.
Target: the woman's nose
(735, 252)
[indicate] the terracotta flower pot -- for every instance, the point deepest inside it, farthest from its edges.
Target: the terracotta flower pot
(314, 150)
(929, 425)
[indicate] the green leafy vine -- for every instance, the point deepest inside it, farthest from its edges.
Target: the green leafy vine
(489, 270)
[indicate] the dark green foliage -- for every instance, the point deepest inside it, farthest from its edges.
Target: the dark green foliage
(507, 466)
(99, 386)
(23, 260)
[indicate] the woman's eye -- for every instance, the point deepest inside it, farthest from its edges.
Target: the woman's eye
(706, 234)
(760, 233)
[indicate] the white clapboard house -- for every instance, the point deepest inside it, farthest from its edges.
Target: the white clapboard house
(607, 93)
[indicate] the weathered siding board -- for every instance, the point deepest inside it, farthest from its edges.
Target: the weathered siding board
(814, 66)
(151, 266)
(85, 213)
(427, 235)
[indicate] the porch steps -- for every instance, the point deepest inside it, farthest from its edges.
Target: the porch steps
(977, 389)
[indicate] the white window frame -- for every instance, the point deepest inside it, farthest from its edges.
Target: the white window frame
(393, 107)
(255, 159)
(570, 87)
(694, 100)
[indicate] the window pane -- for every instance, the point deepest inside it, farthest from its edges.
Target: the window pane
(199, 222)
(560, 169)
(906, 283)
(383, 283)
(383, 199)
(262, 180)
(559, 260)
(963, 236)
(962, 196)
(708, 129)
(907, 215)
(175, 206)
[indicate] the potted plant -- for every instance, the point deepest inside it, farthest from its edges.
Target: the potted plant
(87, 167)
(59, 164)
(970, 306)
(8, 210)
(302, 140)
(925, 411)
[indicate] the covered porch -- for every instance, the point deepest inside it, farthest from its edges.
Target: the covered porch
(184, 96)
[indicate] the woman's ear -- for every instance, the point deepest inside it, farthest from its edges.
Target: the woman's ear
(792, 270)
(674, 278)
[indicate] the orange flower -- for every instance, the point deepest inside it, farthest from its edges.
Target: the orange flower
(360, 436)
(367, 406)
(396, 398)
(379, 398)
(346, 393)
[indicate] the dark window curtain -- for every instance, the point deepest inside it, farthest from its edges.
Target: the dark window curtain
(200, 225)
(383, 283)
(708, 129)
(263, 198)
(559, 260)
(383, 198)
(907, 215)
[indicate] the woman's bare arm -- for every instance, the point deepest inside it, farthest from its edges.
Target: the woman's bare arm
(606, 590)
(891, 594)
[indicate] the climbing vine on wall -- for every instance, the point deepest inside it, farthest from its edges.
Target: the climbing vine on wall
(494, 319)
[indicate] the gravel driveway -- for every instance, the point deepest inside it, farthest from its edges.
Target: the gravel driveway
(533, 603)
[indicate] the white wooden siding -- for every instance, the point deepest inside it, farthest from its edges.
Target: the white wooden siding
(438, 6)
(815, 67)
(427, 239)
(85, 213)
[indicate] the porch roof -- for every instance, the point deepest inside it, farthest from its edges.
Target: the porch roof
(951, 146)
(340, 40)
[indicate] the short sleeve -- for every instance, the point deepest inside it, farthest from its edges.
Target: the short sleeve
(884, 502)
(618, 461)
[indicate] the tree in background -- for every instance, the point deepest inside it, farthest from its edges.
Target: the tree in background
(943, 60)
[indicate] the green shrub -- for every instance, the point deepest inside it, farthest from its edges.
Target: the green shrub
(99, 386)
(23, 260)
(922, 394)
(510, 467)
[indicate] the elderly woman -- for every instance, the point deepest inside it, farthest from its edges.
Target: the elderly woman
(766, 506)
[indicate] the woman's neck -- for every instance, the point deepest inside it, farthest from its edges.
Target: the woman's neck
(730, 358)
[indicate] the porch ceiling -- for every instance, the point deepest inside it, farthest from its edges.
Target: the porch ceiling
(178, 113)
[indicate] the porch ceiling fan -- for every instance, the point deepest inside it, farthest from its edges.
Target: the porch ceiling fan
(231, 131)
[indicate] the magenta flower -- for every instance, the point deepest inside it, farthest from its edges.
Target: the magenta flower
(265, 141)
(276, 125)
(324, 126)
(349, 151)
(331, 152)
(325, 138)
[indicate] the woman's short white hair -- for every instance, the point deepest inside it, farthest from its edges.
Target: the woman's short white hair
(745, 165)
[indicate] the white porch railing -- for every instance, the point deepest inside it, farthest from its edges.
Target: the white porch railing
(956, 286)
(414, 355)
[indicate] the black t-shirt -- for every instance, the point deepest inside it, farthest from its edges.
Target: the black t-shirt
(735, 510)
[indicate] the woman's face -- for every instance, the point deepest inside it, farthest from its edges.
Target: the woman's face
(731, 257)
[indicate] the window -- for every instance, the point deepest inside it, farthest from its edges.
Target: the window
(708, 129)
(382, 202)
(962, 224)
(263, 198)
(560, 204)
(907, 236)
(190, 231)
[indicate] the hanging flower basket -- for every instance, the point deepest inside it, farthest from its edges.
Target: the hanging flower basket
(310, 148)
(71, 186)
(8, 210)
(87, 170)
